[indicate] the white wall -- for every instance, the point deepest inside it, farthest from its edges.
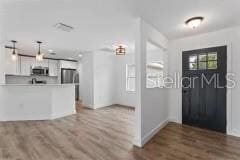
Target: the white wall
(123, 97)
(104, 79)
(86, 87)
(229, 37)
(79, 69)
(2, 67)
(2, 79)
(152, 108)
(98, 83)
(2, 60)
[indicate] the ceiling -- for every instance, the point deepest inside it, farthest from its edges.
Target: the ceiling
(168, 16)
(103, 23)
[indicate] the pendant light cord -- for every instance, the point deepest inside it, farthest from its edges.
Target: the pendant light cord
(14, 46)
(39, 47)
(14, 52)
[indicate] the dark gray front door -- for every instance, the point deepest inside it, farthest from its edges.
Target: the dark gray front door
(204, 88)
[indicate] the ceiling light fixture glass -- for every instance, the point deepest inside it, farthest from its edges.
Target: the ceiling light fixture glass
(39, 56)
(50, 50)
(14, 52)
(120, 50)
(194, 22)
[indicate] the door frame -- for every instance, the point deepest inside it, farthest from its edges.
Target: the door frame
(228, 90)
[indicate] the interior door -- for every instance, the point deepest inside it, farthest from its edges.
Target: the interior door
(204, 88)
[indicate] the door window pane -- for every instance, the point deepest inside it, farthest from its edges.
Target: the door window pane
(193, 58)
(203, 61)
(193, 66)
(202, 65)
(212, 64)
(202, 57)
(212, 56)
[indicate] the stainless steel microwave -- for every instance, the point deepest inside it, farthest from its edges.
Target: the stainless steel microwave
(44, 71)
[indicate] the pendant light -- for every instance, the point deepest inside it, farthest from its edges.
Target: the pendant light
(14, 52)
(39, 56)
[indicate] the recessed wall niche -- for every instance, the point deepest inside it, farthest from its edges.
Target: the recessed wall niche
(154, 66)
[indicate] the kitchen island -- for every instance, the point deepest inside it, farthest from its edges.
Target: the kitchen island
(21, 102)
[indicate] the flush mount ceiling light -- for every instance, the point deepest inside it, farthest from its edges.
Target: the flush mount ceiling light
(14, 53)
(39, 56)
(194, 22)
(120, 50)
(64, 27)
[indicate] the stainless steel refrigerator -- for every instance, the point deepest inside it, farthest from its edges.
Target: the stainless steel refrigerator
(69, 76)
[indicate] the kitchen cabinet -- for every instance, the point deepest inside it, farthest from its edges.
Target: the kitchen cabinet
(25, 65)
(11, 67)
(53, 67)
(68, 64)
(44, 63)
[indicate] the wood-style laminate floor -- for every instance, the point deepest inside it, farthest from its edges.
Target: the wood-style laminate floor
(107, 134)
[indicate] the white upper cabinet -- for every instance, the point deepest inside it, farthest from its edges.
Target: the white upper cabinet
(25, 65)
(11, 67)
(53, 68)
(68, 64)
(44, 63)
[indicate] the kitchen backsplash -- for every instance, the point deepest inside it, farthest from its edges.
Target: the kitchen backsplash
(14, 79)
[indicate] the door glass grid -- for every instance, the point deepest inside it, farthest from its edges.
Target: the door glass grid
(193, 62)
(203, 61)
(212, 60)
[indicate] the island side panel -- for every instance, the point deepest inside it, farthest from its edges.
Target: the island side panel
(63, 100)
(26, 103)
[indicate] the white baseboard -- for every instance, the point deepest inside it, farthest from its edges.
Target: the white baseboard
(63, 114)
(120, 104)
(137, 142)
(97, 106)
(152, 133)
(174, 120)
(235, 133)
(88, 106)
